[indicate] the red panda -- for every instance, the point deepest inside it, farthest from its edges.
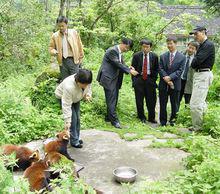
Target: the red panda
(54, 157)
(37, 176)
(59, 145)
(24, 155)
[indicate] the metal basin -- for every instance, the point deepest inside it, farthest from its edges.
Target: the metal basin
(125, 174)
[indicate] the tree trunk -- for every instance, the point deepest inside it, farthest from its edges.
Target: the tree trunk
(46, 5)
(62, 4)
(67, 8)
(80, 3)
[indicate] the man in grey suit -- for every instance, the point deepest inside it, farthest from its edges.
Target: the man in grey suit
(110, 77)
(170, 69)
(187, 75)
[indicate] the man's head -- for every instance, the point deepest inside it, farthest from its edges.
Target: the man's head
(83, 78)
(62, 23)
(125, 44)
(200, 34)
(192, 48)
(171, 43)
(146, 45)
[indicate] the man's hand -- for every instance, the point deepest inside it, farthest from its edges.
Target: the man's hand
(55, 52)
(88, 98)
(170, 83)
(133, 72)
(167, 79)
(131, 67)
(67, 125)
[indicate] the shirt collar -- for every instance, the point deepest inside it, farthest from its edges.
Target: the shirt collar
(190, 56)
(174, 53)
(147, 53)
(119, 49)
(66, 32)
(204, 40)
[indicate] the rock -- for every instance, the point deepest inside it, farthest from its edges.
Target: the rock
(130, 135)
(149, 137)
(170, 136)
(161, 140)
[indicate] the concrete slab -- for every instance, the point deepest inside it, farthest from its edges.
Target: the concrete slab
(103, 151)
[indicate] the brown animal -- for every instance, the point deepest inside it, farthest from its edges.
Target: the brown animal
(54, 157)
(36, 175)
(59, 145)
(24, 155)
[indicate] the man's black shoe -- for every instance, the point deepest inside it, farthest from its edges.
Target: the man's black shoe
(152, 121)
(81, 141)
(172, 124)
(143, 120)
(117, 125)
(77, 146)
(107, 119)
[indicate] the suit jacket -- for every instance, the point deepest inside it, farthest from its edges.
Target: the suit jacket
(205, 56)
(74, 41)
(137, 63)
(111, 72)
(174, 71)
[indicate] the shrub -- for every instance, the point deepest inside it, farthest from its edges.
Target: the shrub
(20, 121)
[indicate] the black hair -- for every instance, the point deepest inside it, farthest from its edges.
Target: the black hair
(172, 38)
(84, 76)
(61, 19)
(146, 41)
(127, 41)
(194, 43)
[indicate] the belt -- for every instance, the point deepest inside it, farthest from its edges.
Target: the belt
(68, 58)
(202, 70)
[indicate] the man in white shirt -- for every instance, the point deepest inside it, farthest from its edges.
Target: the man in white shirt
(71, 91)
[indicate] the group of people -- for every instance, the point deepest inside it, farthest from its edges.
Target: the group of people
(187, 75)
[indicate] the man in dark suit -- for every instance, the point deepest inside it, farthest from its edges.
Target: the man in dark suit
(146, 64)
(170, 70)
(110, 77)
(202, 64)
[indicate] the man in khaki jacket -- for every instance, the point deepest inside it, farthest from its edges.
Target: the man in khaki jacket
(67, 46)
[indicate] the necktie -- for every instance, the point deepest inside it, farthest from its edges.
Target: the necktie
(65, 48)
(144, 75)
(171, 59)
(184, 75)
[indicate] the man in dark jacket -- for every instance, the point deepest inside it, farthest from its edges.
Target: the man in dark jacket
(202, 64)
(170, 70)
(110, 77)
(146, 64)
(187, 75)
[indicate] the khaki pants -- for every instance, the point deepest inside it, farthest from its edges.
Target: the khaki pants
(201, 83)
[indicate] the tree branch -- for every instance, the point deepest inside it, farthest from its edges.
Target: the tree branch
(110, 5)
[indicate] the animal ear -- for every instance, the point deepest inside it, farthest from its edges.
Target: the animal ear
(65, 137)
(57, 135)
(48, 163)
(34, 155)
